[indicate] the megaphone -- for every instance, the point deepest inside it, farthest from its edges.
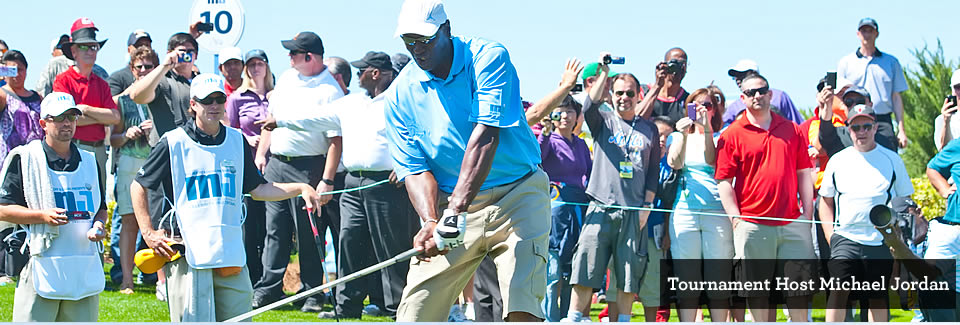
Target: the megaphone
(882, 218)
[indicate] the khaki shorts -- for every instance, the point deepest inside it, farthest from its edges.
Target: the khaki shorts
(127, 168)
(511, 223)
(28, 306)
(195, 295)
(790, 245)
(610, 235)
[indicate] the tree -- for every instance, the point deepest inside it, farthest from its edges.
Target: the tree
(929, 84)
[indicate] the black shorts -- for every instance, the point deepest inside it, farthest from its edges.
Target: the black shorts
(849, 259)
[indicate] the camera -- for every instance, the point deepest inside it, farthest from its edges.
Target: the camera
(607, 59)
(205, 27)
(555, 116)
(577, 88)
(185, 57)
(674, 66)
(952, 99)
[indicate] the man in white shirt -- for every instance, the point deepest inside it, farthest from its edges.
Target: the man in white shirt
(297, 156)
(857, 179)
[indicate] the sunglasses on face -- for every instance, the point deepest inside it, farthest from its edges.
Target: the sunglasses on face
(762, 91)
(297, 52)
(211, 99)
(629, 93)
(862, 127)
(143, 67)
(61, 118)
(85, 47)
(708, 105)
(411, 41)
(361, 72)
(851, 102)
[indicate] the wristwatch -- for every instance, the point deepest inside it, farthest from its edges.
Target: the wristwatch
(327, 181)
(648, 205)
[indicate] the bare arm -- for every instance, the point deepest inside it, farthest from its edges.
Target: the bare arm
(827, 206)
(729, 199)
(330, 168)
(805, 182)
(97, 115)
(154, 238)
(283, 191)
(898, 111)
(262, 150)
(144, 90)
(477, 161)
(645, 108)
(678, 151)
(939, 183)
(422, 190)
(547, 104)
(25, 216)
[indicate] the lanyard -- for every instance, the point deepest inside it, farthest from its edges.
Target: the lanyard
(626, 141)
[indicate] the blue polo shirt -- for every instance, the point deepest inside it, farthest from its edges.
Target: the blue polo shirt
(881, 75)
(947, 163)
(430, 120)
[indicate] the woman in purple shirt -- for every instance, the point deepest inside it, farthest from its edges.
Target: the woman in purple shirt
(19, 107)
(245, 106)
(566, 159)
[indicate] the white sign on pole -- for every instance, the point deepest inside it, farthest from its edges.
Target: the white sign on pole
(227, 19)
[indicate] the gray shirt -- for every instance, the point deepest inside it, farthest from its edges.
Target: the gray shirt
(615, 139)
(58, 65)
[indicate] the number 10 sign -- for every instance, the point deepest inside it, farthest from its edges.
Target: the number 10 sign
(227, 19)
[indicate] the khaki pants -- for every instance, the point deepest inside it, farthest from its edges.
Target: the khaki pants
(28, 306)
(511, 224)
(195, 295)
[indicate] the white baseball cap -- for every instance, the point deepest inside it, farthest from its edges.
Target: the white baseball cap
(230, 53)
(955, 80)
(742, 66)
(205, 84)
(421, 17)
(57, 103)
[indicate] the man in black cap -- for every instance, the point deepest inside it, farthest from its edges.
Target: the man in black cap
(297, 156)
(123, 78)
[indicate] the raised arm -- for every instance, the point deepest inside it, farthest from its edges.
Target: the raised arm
(547, 104)
(144, 90)
(645, 108)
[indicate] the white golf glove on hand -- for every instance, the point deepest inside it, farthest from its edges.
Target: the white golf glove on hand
(450, 229)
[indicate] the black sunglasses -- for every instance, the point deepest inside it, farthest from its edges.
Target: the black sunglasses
(211, 99)
(411, 41)
(851, 102)
(360, 72)
(629, 93)
(762, 90)
(865, 127)
(297, 52)
(61, 118)
(143, 67)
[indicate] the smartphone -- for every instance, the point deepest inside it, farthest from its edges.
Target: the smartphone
(952, 99)
(8, 71)
(692, 111)
(185, 57)
(205, 27)
(832, 79)
(614, 60)
(577, 88)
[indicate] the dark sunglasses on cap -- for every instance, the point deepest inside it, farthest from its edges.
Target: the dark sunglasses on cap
(858, 127)
(61, 118)
(425, 40)
(629, 93)
(211, 99)
(762, 91)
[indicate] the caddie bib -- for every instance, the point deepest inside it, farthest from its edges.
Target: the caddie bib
(208, 198)
(71, 268)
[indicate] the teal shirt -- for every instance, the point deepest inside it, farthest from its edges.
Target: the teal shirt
(430, 120)
(947, 163)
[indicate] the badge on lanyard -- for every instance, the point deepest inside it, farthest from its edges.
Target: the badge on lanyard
(626, 169)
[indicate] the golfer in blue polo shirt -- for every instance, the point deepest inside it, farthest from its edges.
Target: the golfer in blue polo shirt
(456, 126)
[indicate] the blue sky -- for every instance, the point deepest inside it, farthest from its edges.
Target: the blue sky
(794, 42)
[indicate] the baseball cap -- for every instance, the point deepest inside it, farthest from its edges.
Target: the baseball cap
(304, 41)
(81, 23)
(860, 110)
(57, 103)
(592, 69)
(955, 80)
(58, 42)
(743, 66)
(136, 36)
(854, 89)
(901, 204)
(399, 60)
(149, 262)
(868, 22)
(374, 59)
(255, 54)
(230, 53)
(421, 17)
(82, 31)
(206, 84)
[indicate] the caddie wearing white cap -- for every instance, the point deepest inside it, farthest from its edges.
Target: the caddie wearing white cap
(52, 189)
(204, 170)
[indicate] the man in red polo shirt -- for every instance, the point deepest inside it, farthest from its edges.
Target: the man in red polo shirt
(765, 155)
(91, 92)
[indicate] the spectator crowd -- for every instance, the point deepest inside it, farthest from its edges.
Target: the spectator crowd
(595, 193)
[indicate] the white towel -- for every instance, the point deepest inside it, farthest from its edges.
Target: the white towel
(37, 191)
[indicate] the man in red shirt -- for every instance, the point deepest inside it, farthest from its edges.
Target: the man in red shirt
(91, 92)
(765, 155)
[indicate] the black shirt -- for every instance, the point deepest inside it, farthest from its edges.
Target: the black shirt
(171, 103)
(11, 192)
(155, 174)
(674, 110)
(120, 80)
